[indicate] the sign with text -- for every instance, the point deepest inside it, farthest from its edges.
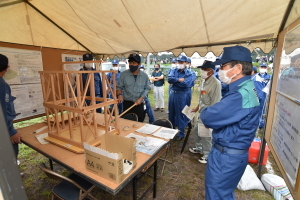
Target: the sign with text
(286, 135)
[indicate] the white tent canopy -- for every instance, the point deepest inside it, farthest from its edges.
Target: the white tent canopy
(116, 27)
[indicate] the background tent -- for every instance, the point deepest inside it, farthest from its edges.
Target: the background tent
(116, 27)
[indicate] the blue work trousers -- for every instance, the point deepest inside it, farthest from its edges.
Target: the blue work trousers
(149, 111)
(177, 101)
(223, 173)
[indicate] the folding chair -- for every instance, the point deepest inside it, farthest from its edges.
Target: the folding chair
(130, 116)
(72, 187)
(167, 124)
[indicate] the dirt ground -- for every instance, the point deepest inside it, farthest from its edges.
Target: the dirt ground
(182, 180)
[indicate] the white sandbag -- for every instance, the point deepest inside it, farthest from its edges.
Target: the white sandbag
(276, 186)
(249, 181)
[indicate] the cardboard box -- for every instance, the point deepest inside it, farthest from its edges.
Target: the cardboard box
(111, 169)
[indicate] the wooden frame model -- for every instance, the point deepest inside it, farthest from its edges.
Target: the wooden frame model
(71, 114)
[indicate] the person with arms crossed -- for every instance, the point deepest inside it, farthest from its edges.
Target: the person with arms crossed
(209, 95)
(181, 80)
(158, 78)
(234, 121)
(132, 87)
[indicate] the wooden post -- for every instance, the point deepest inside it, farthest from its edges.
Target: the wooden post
(54, 102)
(78, 83)
(68, 103)
(93, 102)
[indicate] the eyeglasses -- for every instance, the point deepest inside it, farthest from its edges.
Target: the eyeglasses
(223, 65)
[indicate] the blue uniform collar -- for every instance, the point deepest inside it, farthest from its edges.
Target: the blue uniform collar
(238, 82)
(185, 70)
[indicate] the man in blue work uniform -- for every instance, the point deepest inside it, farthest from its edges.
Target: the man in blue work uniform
(181, 80)
(7, 105)
(261, 80)
(188, 66)
(234, 121)
(115, 67)
(147, 106)
(133, 87)
(97, 79)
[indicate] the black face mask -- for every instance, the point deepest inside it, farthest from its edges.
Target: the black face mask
(133, 68)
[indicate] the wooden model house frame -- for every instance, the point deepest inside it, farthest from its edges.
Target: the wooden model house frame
(71, 114)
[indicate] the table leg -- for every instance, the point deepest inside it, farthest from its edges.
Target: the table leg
(51, 164)
(154, 179)
(134, 189)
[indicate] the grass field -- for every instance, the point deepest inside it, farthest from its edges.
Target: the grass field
(184, 179)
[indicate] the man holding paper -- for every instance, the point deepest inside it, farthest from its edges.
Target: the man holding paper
(209, 95)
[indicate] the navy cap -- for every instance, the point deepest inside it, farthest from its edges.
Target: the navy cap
(141, 66)
(115, 62)
(182, 58)
(254, 69)
(263, 64)
(87, 57)
(174, 60)
(134, 57)
(238, 53)
(188, 60)
(207, 64)
(3, 60)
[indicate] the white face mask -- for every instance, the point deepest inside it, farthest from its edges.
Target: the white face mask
(187, 66)
(89, 65)
(180, 66)
(204, 74)
(262, 70)
(174, 66)
(223, 76)
(115, 68)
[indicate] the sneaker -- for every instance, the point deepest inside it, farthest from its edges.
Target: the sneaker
(156, 109)
(162, 109)
(202, 160)
(194, 150)
(178, 138)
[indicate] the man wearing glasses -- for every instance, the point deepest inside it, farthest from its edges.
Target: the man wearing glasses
(234, 121)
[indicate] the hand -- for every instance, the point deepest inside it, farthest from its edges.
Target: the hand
(16, 138)
(181, 80)
(195, 109)
(120, 98)
(139, 101)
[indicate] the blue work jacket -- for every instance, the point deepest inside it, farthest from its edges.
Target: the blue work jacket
(97, 82)
(260, 82)
(235, 118)
(176, 74)
(7, 104)
(109, 76)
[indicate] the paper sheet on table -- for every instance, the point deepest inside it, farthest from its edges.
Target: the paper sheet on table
(41, 137)
(188, 112)
(147, 145)
(148, 129)
(166, 133)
